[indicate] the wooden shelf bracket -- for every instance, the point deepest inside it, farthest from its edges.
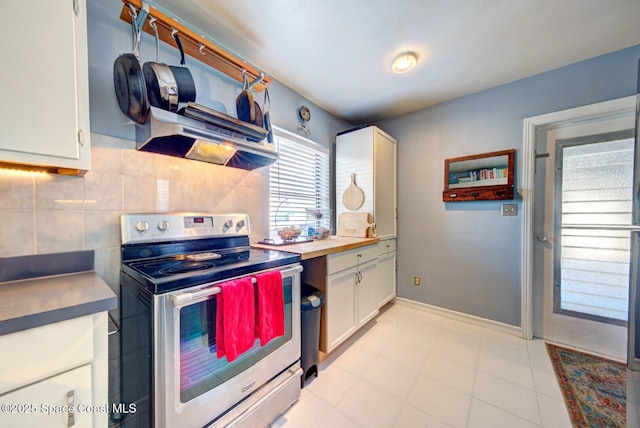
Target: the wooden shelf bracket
(141, 14)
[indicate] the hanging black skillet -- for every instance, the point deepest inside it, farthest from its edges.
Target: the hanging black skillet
(245, 104)
(128, 80)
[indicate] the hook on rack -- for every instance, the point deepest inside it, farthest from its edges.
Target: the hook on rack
(260, 79)
(137, 12)
(140, 16)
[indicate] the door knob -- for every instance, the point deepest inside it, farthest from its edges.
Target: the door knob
(542, 237)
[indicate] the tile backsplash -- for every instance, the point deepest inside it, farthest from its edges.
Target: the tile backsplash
(48, 213)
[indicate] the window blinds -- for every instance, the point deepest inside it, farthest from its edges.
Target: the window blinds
(298, 184)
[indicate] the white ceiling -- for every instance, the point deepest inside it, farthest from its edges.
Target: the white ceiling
(338, 53)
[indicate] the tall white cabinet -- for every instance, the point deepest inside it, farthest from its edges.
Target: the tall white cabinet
(44, 119)
(371, 155)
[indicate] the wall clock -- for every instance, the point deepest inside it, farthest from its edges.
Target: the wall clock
(304, 116)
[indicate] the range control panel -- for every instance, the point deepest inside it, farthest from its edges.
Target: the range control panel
(138, 228)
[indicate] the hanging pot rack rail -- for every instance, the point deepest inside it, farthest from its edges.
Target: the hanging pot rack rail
(195, 45)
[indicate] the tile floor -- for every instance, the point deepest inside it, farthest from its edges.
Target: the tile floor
(410, 368)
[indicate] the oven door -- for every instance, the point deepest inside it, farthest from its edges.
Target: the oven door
(192, 386)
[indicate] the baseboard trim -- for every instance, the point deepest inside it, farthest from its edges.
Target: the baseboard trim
(460, 316)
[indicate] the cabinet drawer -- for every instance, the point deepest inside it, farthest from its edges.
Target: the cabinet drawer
(346, 259)
(43, 402)
(30, 355)
(478, 193)
(386, 246)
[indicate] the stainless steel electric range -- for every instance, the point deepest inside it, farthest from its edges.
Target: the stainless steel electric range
(172, 266)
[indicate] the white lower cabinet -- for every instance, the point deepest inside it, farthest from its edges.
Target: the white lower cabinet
(351, 291)
(46, 368)
(386, 271)
(57, 402)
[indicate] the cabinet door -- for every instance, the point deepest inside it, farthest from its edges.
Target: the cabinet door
(386, 278)
(354, 155)
(367, 292)
(42, 404)
(340, 309)
(45, 84)
(384, 185)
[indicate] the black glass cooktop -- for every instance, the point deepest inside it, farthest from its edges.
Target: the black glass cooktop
(184, 270)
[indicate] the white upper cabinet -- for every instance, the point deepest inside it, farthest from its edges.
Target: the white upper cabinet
(370, 154)
(44, 116)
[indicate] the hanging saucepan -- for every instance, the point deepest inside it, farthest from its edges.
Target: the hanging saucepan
(184, 79)
(128, 80)
(267, 120)
(245, 104)
(162, 88)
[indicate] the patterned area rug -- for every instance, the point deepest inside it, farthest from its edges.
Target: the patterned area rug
(594, 388)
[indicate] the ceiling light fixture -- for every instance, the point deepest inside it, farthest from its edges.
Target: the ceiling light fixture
(404, 62)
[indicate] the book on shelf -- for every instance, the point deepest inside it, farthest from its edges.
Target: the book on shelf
(478, 175)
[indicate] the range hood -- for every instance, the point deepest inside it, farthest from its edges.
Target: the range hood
(213, 137)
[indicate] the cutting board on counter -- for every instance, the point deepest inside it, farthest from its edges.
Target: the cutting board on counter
(356, 224)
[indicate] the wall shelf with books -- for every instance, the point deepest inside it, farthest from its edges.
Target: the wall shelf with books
(486, 176)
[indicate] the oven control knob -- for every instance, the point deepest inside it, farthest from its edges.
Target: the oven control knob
(163, 225)
(141, 226)
(228, 224)
(240, 224)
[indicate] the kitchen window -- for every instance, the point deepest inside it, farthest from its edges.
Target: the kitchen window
(299, 185)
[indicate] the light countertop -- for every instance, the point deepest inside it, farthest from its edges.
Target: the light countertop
(321, 247)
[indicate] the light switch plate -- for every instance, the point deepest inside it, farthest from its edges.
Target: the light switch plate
(509, 209)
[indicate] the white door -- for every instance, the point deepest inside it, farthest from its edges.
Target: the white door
(582, 218)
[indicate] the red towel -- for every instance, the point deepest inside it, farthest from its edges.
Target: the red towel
(269, 306)
(235, 318)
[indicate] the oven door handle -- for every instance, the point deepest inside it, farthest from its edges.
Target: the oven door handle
(183, 298)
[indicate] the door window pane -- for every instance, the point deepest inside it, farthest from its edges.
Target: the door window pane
(595, 187)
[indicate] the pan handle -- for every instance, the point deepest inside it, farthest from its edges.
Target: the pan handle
(138, 17)
(267, 99)
(179, 43)
(152, 24)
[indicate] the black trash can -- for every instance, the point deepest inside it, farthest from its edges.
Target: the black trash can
(311, 301)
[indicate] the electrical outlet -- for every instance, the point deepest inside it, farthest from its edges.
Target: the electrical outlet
(416, 281)
(509, 209)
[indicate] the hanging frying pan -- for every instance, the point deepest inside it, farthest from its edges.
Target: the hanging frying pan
(129, 84)
(245, 104)
(162, 89)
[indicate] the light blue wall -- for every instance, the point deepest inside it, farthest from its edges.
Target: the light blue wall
(467, 254)
(109, 37)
